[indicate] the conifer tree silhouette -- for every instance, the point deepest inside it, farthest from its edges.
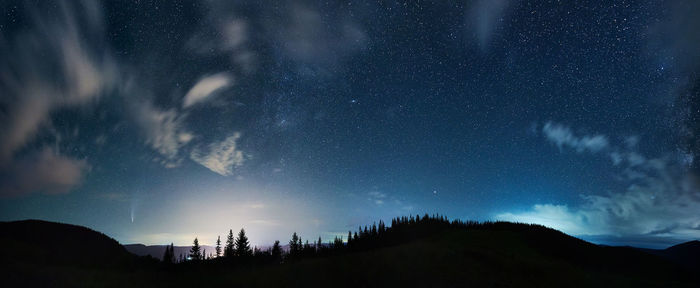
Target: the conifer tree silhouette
(195, 253)
(218, 246)
(228, 249)
(242, 245)
(276, 251)
(168, 255)
(294, 245)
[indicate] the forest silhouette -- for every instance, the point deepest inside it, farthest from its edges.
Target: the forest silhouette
(413, 251)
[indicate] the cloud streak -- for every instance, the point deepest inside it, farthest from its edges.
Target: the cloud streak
(221, 157)
(45, 171)
(31, 88)
(562, 136)
(163, 131)
(660, 200)
(206, 87)
(56, 65)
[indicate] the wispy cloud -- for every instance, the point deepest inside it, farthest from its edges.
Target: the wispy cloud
(377, 197)
(206, 87)
(221, 157)
(483, 19)
(660, 205)
(163, 131)
(45, 171)
(562, 136)
(28, 81)
(52, 66)
(660, 199)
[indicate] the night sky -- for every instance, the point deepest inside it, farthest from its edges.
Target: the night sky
(158, 122)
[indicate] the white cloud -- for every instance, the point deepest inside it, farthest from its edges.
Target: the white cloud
(554, 216)
(377, 197)
(45, 171)
(206, 87)
(660, 205)
(31, 62)
(661, 198)
(234, 34)
(483, 19)
(222, 157)
(562, 136)
(51, 66)
(163, 131)
(311, 37)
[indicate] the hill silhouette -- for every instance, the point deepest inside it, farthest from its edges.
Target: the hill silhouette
(685, 254)
(420, 252)
(51, 243)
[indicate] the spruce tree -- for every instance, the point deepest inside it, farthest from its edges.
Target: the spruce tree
(242, 245)
(276, 251)
(228, 249)
(294, 245)
(167, 255)
(195, 254)
(218, 246)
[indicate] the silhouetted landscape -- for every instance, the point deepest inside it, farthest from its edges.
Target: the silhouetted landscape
(307, 143)
(415, 251)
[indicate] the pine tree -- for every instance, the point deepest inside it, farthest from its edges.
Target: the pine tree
(218, 246)
(166, 255)
(242, 245)
(294, 245)
(195, 254)
(276, 251)
(307, 250)
(169, 255)
(228, 249)
(319, 245)
(338, 242)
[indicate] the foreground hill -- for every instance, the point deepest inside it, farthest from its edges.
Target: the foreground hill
(478, 255)
(39, 242)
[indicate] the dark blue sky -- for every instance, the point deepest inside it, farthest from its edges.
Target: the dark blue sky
(161, 121)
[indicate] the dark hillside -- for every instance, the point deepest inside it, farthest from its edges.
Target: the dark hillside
(51, 243)
(685, 254)
(413, 252)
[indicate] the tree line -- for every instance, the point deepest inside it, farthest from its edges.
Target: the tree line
(403, 229)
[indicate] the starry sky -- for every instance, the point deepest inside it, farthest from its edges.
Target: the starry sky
(161, 121)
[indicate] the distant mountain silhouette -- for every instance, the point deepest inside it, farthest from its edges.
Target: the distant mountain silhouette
(157, 251)
(686, 254)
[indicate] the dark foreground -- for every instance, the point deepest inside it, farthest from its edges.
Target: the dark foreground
(488, 255)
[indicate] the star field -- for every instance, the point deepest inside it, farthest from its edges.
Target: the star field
(158, 121)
